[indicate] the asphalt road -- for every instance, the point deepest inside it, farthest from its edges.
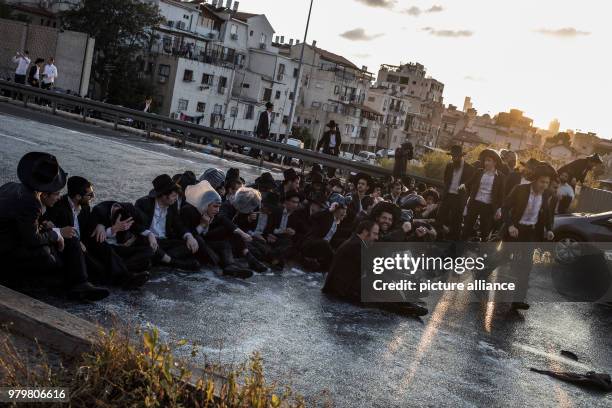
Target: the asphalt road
(460, 355)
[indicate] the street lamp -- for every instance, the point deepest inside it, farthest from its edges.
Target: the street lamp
(299, 76)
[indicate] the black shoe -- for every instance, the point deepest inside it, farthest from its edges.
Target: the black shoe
(255, 264)
(89, 292)
(237, 272)
(185, 264)
(311, 265)
(277, 266)
(136, 280)
(520, 306)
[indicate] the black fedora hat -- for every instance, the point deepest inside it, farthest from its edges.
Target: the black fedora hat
(362, 176)
(269, 105)
(332, 124)
(456, 150)
(187, 179)
(545, 170)
(163, 185)
(41, 172)
(290, 174)
(492, 154)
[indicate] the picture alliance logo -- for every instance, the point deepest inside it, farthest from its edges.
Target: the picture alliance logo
(407, 263)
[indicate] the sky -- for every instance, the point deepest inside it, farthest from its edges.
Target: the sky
(549, 58)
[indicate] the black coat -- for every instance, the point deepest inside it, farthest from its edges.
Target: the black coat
(220, 229)
(101, 215)
(319, 224)
(296, 222)
(497, 193)
(516, 203)
(61, 216)
(174, 225)
(324, 143)
(263, 126)
(513, 179)
(344, 277)
(20, 213)
(466, 176)
(577, 169)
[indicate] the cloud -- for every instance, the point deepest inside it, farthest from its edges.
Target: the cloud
(448, 33)
(566, 32)
(363, 55)
(388, 4)
(413, 11)
(435, 9)
(474, 78)
(359, 34)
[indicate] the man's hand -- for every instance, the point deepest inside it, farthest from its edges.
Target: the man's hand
(245, 237)
(83, 247)
(192, 244)
(153, 242)
(205, 220)
(461, 187)
(68, 232)
(271, 239)
(122, 225)
(99, 234)
(550, 235)
(290, 231)
(407, 227)
(421, 232)
(513, 231)
(333, 207)
(498, 214)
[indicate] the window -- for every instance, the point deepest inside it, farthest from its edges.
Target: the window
(291, 96)
(296, 72)
(222, 85)
(201, 107)
(285, 119)
(250, 111)
(281, 72)
(234, 30)
(371, 99)
(392, 78)
(251, 33)
(404, 80)
(234, 111)
(183, 104)
(188, 75)
(263, 39)
(163, 73)
(267, 94)
(278, 95)
(336, 89)
(207, 79)
(218, 109)
(246, 86)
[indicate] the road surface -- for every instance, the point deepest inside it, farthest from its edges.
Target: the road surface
(460, 355)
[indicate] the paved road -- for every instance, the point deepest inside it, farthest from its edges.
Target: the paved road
(461, 355)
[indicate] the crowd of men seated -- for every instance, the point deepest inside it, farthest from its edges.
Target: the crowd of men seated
(216, 220)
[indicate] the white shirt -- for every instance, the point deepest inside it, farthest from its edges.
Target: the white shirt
(486, 187)
(37, 74)
(530, 216)
(158, 224)
(283, 224)
(269, 120)
(262, 221)
(524, 181)
(565, 190)
(23, 64)
(454, 185)
(332, 231)
(332, 140)
(75, 217)
(50, 74)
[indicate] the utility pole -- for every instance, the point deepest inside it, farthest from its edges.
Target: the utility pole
(299, 76)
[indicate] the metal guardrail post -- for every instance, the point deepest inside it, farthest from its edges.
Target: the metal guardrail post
(148, 129)
(54, 107)
(261, 158)
(25, 100)
(116, 123)
(222, 151)
(84, 113)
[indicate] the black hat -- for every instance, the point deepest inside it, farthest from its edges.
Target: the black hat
(332, 124)
(269, 105)
(456, 150)
(290, 174)
(41, 172)
(163, 185)
(595, 157)
(317, 197)
(544, 170)
(270, 200)
(492, 154)
(385, 206)
(187, 179)
(316, 168)
(362, 176)
(77, 185)
(233, 174)
(531, 164)
(265, 182)
(293, 194)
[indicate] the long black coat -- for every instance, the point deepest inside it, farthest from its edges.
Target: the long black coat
(220, 229)
(20, 213)
(61, 216)
(101, 215)
(319, 224)
(497, 194)
(468, 173)
(344, 277)
(324, 143)
(263, 126)
(174, 225)
(516, 203)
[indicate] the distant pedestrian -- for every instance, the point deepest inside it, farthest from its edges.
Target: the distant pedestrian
(23, 62)
(34, 73)
(49, 74)
(264, 126)
(330, 143)
(403, 154)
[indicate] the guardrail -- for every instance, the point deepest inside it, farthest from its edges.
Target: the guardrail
(189, 131)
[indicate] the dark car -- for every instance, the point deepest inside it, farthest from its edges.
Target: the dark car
(572, 229)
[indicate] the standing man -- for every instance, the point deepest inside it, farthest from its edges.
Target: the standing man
(528, 218)
(263, 126)
(50, 74)
(565, 193)
(34, 73)
(330, 142)
(23, 62)
(457, 173)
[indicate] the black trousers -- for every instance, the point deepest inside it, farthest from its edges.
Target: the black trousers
(522, 259)
(117, 263)
(174, 248)
(475, 210)
(451, 214)
(20, 79)
(319, 249)
(68, 266)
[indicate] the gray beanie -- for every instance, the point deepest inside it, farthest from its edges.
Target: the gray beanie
(202, 195)
(215, 177)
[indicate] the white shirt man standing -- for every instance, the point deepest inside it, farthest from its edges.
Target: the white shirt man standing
(49, 74)
(23, 62)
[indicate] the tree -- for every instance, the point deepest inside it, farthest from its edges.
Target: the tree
(6, 11)
(123, 30)
(561, 138)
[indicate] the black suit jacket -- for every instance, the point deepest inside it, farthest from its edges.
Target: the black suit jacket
(221, 228)
(516, 203)
(263, 126)
(468, 173)
(497, 194)
(324, 143)
(295, 222)
(320, 223)
(20, 213)
(513, 179)
(101, 215)
(61, 216)
(174, 225)
(344, 277)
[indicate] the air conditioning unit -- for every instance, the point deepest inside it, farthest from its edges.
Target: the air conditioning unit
(262, 46)
(234, 36)
(162, 80)
(180, 25)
